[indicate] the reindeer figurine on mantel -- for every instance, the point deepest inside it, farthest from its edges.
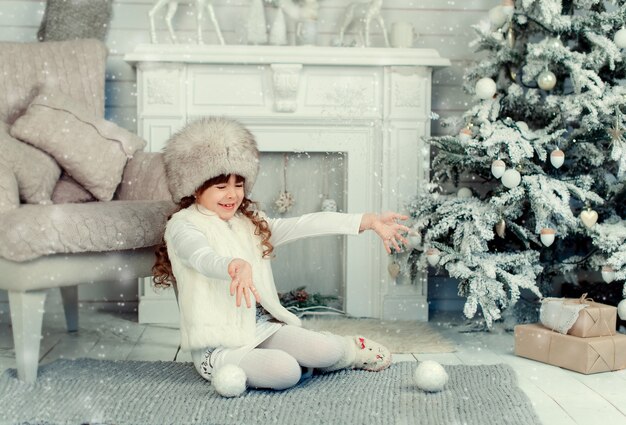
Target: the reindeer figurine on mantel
(360, 15)
(172, 6)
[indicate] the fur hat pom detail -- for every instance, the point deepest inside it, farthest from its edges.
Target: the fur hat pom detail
(229, 381)
(207, 148)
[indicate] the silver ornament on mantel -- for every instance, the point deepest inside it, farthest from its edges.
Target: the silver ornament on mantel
(284, 202)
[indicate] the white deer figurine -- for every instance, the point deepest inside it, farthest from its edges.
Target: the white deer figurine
(172, 6)
(360, 15)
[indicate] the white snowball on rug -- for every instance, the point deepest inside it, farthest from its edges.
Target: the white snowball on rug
(430, 376)
(229, 381)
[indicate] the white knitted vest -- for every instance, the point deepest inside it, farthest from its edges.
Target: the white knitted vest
(208, 314)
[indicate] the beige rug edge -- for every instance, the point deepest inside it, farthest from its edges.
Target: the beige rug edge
(399, 336)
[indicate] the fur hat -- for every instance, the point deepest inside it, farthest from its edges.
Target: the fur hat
(206, 148)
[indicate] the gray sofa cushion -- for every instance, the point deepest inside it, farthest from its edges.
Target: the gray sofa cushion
(92, 150)
(9, 196)
(31, 231)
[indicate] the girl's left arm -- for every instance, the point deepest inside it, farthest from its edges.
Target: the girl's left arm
(285, 230)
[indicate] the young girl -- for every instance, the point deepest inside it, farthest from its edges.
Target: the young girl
(217, 252)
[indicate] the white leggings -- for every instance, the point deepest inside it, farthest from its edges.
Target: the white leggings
(277, 362)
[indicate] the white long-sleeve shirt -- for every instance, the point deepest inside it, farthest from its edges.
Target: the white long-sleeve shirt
(194, 251)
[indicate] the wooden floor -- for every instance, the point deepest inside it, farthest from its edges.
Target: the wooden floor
(560, 397)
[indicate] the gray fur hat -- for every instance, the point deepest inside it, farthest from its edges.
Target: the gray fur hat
(206, 148)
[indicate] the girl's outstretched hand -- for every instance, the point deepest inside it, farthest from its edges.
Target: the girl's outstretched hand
(387, 228)
(240, 272)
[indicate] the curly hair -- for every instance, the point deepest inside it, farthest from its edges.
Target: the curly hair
(162, 274)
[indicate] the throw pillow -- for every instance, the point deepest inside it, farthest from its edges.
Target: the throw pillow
(144, 179)
(72, 19)
(68, 191)
(35, 171)
(91, 150)
(9, 196)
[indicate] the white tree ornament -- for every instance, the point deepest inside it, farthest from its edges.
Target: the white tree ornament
(511, 178)
(172, 6)
(498, 167)
(485, 88)
(557, 158)
(547, 235)
(620, 38)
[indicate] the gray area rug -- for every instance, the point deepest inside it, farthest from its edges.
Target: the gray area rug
(133, 392)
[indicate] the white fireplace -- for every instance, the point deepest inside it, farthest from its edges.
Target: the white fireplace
(372, 106)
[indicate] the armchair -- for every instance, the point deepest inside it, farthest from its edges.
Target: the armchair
(47, 245)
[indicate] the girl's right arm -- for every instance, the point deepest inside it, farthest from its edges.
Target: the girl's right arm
(194, 251)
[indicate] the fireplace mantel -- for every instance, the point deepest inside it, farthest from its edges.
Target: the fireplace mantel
(372, 104)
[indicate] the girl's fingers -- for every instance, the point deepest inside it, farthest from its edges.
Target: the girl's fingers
(233, 287)
(257, 297)
(238, 299)
(246, 294)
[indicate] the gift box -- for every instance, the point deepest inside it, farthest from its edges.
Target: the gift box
(590, 319)
(584, 355)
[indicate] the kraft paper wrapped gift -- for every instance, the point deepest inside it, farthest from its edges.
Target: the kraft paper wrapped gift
(584, 355)
(580, 317)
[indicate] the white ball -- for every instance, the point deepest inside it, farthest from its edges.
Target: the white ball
(557, 158)
(546, 80)
(608, 274)
(620, 38)
(485, 88)
(621, 309)
(511, 178)
(430, 376)
(229, 380)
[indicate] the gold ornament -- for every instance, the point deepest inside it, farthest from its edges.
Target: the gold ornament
(501, 227)
(510, 37)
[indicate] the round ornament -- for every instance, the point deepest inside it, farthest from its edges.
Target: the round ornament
(557, 158)
(589, 217)
(620, 38)
(464, 192)
(498, 17)
(546, 80)
(547, 235)
(415, 239)
(485, 88)
(498, 167)
(511, 178)
(465, 135)
(608, 274)
(433, 255)
(621, 309)
(229, 381)
(430, 376)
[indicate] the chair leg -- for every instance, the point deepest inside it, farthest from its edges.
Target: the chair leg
(26, 317)
(69, 294)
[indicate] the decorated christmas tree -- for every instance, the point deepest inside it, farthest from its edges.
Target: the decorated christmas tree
(545, 148)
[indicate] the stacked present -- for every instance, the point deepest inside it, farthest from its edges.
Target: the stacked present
(575, 334)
